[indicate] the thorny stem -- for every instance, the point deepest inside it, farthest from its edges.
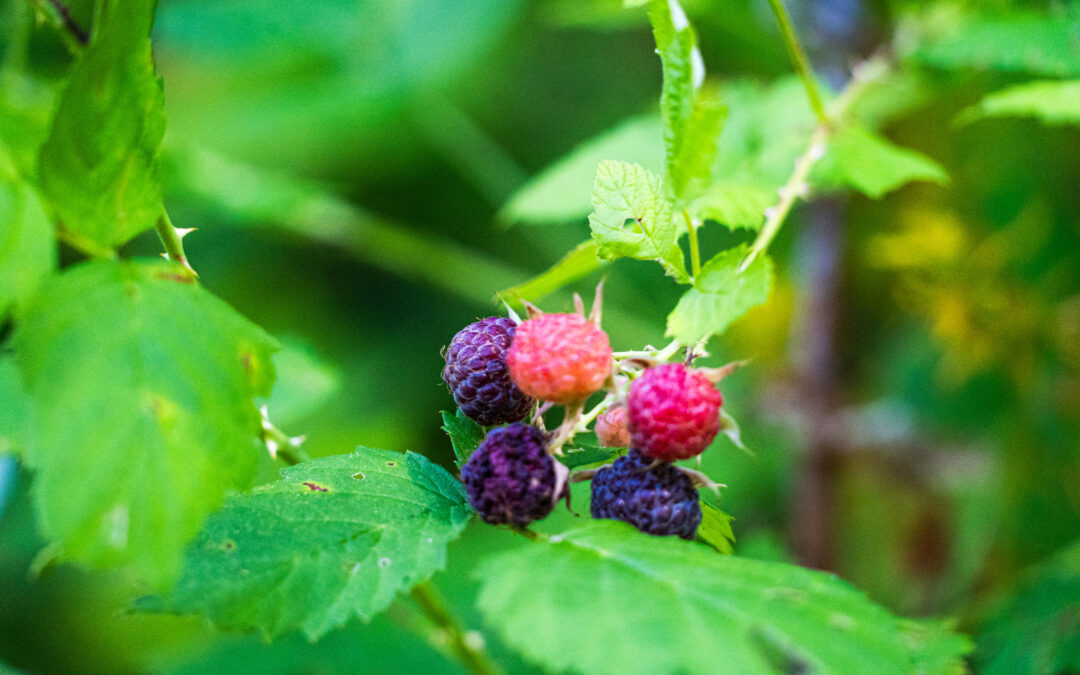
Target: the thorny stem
(799, 60)
(281, 445)
(467, 646)
(695, 254)
(797, 186)
(171, 239)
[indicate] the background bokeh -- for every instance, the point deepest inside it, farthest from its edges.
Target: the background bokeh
(913, 397)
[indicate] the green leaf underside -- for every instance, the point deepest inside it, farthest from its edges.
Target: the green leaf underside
(1033, 42)
(596, 590)
(872, 165)
(632, 217)
(735, 204)
(1049, 102)
(583, 260)
(715, 529)
(465, 434)
(98, 166)
(586, 453)
(142, 414)
(720, 295)
(560, 193)
(27, 248)
(335, 537)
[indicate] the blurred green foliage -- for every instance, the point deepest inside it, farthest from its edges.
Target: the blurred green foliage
(351, 166)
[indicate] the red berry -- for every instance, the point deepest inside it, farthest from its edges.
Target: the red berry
(559, 357)
(674, 412)
(611, 428)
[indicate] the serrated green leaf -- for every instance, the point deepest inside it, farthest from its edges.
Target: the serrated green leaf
(604, 598)
(721, 294)
(1043, 43)
(691, 118)
(98, 168)
(465, 434)
(15, 410)
(1050, 102)
(871, 164)
(560, 193)
(715, 529)
(735, 204)
(141, 387)
(27, 246)
(336, 537)
(583, 260)
(632, 217)
(1037, 628)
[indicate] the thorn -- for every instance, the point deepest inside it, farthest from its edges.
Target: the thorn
(579, 305)
(714, 375)
(510, 312)
(699, 479)
(532, 310)
(597, 304)
(182, 232)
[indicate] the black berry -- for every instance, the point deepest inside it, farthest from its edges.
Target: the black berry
(656, 499)
(478, 377)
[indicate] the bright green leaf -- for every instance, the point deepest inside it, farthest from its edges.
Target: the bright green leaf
(715, 529)
(1034, 42)
(594, 592)
(735, 204)
(721, 294)
(98, 167)
(560, 193)
(632, 217)
(1050, 102)
(15, 409)
(142, 414)
(27, 247)
(583, 260)
(872, 165)
(336, 537)
(304, 382)
(465, 434)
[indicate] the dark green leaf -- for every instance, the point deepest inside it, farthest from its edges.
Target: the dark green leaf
(336, 537)
(632, 217)
(141, 386)
(465, 434)
(715, 529)
(560, 193)
(577, 264)
(604, 598)
(1049, 102)
(98, 167)
(872, 165)
(721, 294)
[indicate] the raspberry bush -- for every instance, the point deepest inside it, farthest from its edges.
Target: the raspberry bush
(586, 498)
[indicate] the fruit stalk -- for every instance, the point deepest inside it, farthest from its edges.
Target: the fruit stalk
(463, 644)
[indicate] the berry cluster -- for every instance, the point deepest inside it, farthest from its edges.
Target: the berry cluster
(499, 369)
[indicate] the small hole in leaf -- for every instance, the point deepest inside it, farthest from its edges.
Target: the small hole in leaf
(359, 475)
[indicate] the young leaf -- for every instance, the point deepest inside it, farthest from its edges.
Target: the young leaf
(872, 165)
(721, 294)
(98, 168)
(583, 260)
(336, 537)
(692, 119)
(735, 204)
(465, 434)
(141, 387)
(27, 247)
(1050, 102)
(604, 598)
(715, 529)
(560, 193)
(632, 217)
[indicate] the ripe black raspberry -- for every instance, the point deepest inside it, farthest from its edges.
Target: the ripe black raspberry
(657, 500)
(511, 479)
(478, 377)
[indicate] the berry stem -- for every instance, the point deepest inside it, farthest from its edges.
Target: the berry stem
(695, 253)
(568, 428)
(466, 646)
(799, 60)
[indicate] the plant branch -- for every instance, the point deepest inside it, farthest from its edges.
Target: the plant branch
(171, 239)
(467, 646)
(799, 60)
(695, 253)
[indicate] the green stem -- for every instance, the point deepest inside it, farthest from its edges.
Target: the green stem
(171, 240)
(799, 60)
(469, 651)
(695, 253)
(59, 15)
(84, 244)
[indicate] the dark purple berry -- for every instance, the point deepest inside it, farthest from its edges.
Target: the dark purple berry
(511, 479)
(478, 377)
(656, 499)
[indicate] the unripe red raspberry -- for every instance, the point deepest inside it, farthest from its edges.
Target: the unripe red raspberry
(560, 358)
(612, 428)
(674, 412)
